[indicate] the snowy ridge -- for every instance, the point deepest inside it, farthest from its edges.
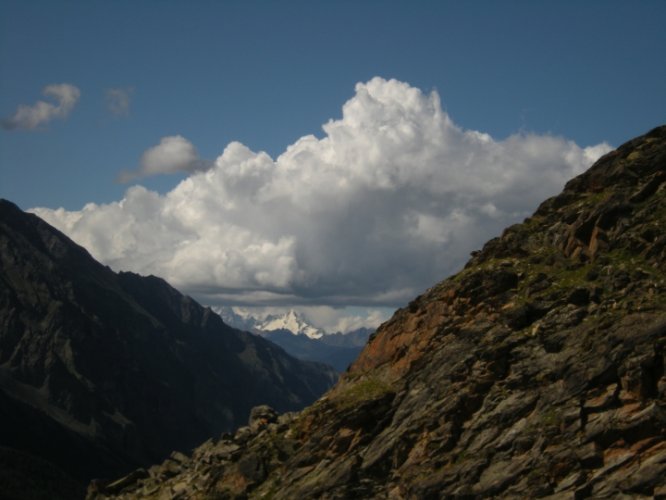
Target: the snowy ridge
(291, 321)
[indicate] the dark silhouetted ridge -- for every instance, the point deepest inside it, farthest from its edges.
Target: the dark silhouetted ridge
(101, 372)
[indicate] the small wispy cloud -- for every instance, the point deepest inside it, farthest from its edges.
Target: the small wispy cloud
(118, 100)
(31, 117)
(173, 154)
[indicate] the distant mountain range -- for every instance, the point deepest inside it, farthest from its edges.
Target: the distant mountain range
(294, 334)
(290, 321)
(293, 323)
(102, 372)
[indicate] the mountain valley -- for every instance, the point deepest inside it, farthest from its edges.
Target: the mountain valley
(294, 334)
(536, 371)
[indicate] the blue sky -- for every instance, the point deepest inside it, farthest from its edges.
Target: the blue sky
(268, 73)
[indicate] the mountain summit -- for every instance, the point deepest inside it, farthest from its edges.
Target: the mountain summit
(537, 370)
(294, 334)
(292, 322)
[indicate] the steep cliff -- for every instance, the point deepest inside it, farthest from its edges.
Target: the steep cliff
(536, 370)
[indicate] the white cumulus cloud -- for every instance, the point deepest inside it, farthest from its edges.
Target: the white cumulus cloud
(42, 112)
(389, 201)
(173, 154)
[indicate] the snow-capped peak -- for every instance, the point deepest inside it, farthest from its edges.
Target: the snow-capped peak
(291, 321)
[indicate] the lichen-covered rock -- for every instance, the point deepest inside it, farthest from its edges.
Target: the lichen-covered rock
(536, 371)
(262, 415)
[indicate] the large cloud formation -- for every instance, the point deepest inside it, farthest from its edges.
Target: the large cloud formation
(391, 200)
(42, 112)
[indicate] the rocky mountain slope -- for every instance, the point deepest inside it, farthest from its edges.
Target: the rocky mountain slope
(103, 372)
(537, 370)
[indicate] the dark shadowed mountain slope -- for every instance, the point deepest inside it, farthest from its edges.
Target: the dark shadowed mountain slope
(102, 372)
(537, 370)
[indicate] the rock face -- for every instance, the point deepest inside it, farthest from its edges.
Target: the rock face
(536, 371)
(103, 372)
